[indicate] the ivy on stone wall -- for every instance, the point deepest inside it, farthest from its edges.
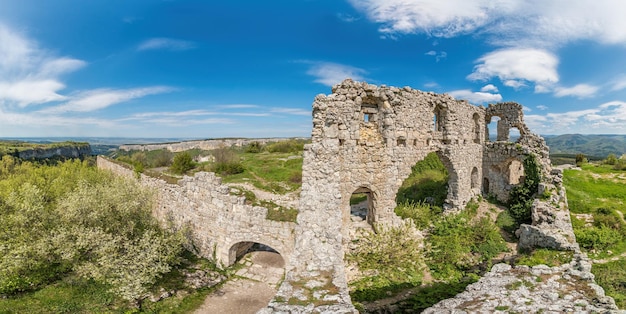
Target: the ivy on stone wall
(522, 196)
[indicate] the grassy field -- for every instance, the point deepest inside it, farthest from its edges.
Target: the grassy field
(274, 172)
(598, 191)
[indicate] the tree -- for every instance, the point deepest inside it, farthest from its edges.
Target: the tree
(182, 163)
(581, 159)
(611, 159)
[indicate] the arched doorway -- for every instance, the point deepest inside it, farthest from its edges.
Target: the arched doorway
(474, 178)
(486, 186)
(362, 206)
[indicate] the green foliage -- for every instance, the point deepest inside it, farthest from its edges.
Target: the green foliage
(544, 257)
(286, 146)
(611, 277)
(598, 238)
(226, 162)
(182, 163)
(395, 257)
(275, 172)
(279, 213)
(505, 222)
(74, 218)
(581, 159)
(429, 295)
(428, 180)
(357, 198)
(611, 159)
(421, 213)
(458, 243)
(522, 196)
(254, 147)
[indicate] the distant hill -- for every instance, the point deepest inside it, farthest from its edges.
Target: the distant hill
(590, 145)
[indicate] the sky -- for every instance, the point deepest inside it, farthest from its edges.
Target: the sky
(209, 69)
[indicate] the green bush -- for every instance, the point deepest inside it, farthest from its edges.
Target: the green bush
(74, 218)
(522, 196)
(422, 214)
(598, 238)
(458, 243)
(611, 277)
(393, 254)
(182, 163)
(286, 146)
(226, 162)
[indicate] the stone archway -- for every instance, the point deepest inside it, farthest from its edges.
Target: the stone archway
(240, 249)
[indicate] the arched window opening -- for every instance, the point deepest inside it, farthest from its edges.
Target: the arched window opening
(514, 134)
(486, 186)
(491, 132)
(475, 180)
(362, 207)
(515, 172)
(476, 128)
(438, 119)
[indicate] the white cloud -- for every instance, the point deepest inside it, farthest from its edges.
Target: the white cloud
(489, 88)
(29, 75)
(475, 97)
(291, 111)
(580, 91)
(165, 44)
(515, 66)
(438, 55)
(619, 83)
(347, 18)
(329, 74)
(526, 109)
(507, 22)
(436, 18)
(102, 98)
(542, 107)
(607, 118)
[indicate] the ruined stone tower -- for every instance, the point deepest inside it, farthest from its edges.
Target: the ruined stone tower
(365, 139)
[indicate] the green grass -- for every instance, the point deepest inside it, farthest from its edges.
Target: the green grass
(601, 191)
(544, 257)
(612, 277)
(72, 294)
(274, 172)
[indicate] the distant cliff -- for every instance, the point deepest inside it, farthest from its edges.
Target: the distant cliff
(201, 144)
(76, 150)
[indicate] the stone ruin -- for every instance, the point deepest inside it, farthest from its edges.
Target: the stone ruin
(365, 139)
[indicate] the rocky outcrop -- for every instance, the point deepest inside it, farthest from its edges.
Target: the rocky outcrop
(569, 288)
(68, 151)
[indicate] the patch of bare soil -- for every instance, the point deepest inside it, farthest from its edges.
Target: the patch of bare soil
(255, 286)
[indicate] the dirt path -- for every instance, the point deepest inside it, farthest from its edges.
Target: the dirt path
(257, 284)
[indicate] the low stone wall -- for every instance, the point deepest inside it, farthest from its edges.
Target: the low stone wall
(216, 221)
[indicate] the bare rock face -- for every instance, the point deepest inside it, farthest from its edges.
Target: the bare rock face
(568, 288)
(69, 151)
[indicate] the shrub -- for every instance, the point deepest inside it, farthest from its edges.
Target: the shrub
(598, 238)
(182, 163)
(522, 196)
(611, 159)
(254, 147)
(421, 213)
(226, 162)
(581, 159)
(286, 146)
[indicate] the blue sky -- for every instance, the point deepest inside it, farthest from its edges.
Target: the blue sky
(200, 69)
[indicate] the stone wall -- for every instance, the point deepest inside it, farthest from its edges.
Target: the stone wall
(217, 222)
(366, 138)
